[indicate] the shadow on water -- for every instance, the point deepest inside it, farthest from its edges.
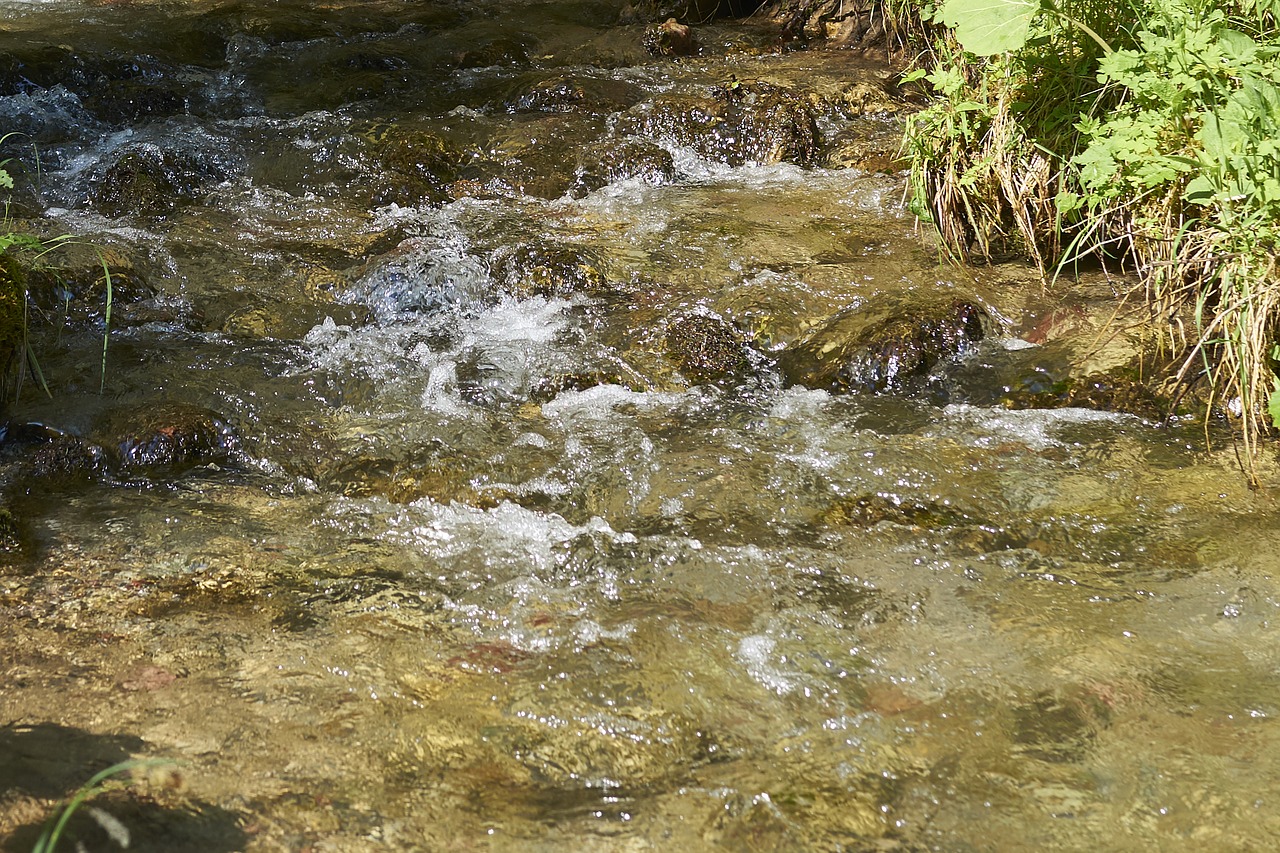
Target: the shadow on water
(46, 761)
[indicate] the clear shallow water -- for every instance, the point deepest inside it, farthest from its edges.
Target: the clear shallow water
(487, 572)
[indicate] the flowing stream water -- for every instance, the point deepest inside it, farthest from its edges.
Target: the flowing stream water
(489, 564)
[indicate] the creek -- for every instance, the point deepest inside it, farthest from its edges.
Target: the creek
(525, 530)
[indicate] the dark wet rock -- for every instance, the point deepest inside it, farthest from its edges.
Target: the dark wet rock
(52, 456)
(130, 100)
(545, 269)
(882, 347)
(145, 179)
(262, 24)
(707, 349)
(623, 160)
(559, 95)
(117, 89)
(73, 283)
(423, 155)
(198, 45)
(167, 436)
(670, 38)
(736, 123)
(496, 50)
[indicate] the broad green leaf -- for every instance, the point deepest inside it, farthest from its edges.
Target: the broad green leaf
(988, 27)
(1273, 406)
(1237, 46)
(1200, 190)
(5, 180)
(1068, 202)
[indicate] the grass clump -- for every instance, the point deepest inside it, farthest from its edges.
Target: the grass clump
(20, 252)
(102, 782)
(1144, 134)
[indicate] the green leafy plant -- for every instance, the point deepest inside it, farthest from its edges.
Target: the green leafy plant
(1145, 133)
(988, 27)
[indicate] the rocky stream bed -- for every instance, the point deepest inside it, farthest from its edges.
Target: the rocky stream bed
(530, 426)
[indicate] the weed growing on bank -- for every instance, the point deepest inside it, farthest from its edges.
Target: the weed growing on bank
(1145, 134)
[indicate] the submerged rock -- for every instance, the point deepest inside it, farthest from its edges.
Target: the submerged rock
(621, 160)
(417, 164)
(565, 93)
(870, 144)
(1107, 392)
(736, 123)
(72, 284)
(884, 347)
(870, 510)
(1057, 728)
(535, 156)
(405, 481)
